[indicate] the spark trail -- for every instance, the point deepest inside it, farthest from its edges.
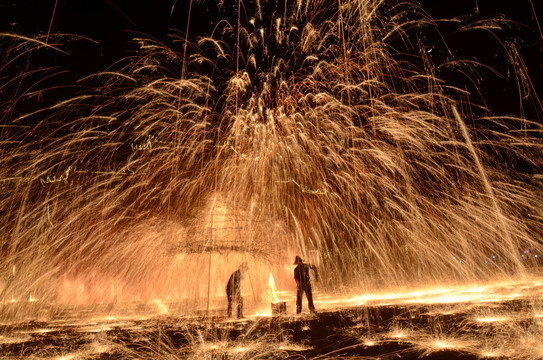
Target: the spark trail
(296, 129)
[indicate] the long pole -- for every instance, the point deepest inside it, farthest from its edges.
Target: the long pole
(210, 255)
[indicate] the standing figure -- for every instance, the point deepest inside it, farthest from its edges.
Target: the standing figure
(303, 284)
(233, 290)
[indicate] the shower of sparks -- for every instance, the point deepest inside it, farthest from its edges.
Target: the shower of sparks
(321, 141)
(293, 129)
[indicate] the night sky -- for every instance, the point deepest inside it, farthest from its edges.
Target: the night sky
(113, 23)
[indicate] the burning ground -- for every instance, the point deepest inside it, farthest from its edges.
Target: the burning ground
(499, 321)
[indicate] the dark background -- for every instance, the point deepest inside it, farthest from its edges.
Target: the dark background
(113, 23)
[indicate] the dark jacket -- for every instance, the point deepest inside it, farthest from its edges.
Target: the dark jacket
(301, 275)
(233, 288)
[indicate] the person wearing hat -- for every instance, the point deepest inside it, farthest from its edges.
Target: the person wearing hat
(233, 290)
(303, 284)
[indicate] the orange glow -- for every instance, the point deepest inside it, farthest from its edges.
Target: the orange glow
(88, 290)
(269, 296)
(465, 294)
(494, 319)
(272, 289)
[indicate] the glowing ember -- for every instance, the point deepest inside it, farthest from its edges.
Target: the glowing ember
(493, 319)
(451, 344)
(369, 342)
(68, 357)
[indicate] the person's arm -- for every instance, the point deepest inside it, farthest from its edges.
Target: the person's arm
(314, 268)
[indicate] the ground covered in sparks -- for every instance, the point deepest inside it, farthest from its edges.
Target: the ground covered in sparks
(489, 322)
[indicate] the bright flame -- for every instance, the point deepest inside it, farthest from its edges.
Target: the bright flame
(270, 295)
(161, 307)
(272, 287)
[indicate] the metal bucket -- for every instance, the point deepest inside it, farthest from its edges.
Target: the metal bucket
(279, 308)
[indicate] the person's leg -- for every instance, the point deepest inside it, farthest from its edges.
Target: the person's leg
(240, 306)
(299, 294)
(229, 313)
(309, 295)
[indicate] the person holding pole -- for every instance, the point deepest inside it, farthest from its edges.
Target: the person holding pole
(303, 284)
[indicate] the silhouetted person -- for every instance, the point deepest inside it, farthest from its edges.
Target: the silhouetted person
(303, 284)
(233, 290)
